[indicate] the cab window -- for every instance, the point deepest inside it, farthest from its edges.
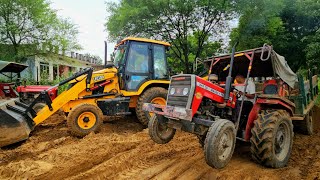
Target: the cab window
(138, 59)
(160, 65)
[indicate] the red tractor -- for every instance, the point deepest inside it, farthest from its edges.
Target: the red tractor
(212, 110)
(26, 93)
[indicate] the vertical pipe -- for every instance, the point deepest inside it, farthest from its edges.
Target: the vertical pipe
(105, 53)
(37, 75)
(244, 91)
(229, 78)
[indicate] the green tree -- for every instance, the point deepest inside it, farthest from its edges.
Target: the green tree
(174, 21)
(288, 25)
(26, 26)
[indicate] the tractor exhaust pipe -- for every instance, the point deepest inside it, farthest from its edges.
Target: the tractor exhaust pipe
(229, 78)
(105, 54)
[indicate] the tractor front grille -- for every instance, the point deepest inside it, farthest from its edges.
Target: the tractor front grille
(179, 83)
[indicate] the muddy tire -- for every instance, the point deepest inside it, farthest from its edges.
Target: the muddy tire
(159, 131)
(219, 143)
(150, 96)
(37, 107)
(84, 119)
(306, 126)
(272, 138)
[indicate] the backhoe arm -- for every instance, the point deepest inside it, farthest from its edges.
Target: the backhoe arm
(65, 97)
(61, 100)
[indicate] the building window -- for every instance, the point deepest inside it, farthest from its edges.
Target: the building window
(44, 70)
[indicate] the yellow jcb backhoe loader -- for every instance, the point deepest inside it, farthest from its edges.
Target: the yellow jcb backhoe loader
(138, 75)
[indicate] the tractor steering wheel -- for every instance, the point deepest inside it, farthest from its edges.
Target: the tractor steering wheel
(236, 92)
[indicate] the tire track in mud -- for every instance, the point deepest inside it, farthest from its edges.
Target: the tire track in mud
(123, 150)
(139, 160)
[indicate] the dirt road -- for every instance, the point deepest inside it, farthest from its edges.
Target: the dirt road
(123, 150)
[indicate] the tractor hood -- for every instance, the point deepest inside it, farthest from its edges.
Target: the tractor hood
(6, 66)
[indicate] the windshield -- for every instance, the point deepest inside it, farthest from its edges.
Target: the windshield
(119, 55)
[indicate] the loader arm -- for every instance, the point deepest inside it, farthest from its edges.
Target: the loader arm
(60, 101)
(17, 119)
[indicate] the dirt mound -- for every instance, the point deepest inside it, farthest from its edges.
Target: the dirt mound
(123, 150)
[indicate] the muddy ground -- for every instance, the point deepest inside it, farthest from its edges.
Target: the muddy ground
(123, 150)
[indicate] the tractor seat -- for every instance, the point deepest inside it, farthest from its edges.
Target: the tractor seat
(270, 87)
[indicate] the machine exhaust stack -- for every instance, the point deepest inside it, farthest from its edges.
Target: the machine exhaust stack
(105, 53)
(229, 78)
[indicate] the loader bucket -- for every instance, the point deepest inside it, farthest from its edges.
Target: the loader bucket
(14, 126)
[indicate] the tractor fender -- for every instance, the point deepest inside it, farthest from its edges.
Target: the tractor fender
(257, 107)
(277, 102)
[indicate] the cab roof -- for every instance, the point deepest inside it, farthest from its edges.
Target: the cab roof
(143, 40)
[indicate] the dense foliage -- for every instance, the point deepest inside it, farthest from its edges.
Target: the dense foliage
(193, 27)
(197, 26)
(291, 26)
(29, 27)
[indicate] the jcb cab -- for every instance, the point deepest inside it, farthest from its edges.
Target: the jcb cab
(208, 108)
(139, 74)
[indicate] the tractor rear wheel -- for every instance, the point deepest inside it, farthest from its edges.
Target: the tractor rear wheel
(155, 95)
(159, 131)
(306, 125)
(84, 119)
(219, 143)
(272, 138)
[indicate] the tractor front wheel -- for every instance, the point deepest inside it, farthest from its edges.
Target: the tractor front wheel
(272, 138)
(84, 119)
(155, 95)
(159, 131)
(219, 143)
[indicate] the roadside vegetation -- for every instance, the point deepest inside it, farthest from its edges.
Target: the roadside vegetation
(201, 28)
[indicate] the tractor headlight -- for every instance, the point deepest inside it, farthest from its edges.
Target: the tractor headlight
(172, 91)
(185, 91)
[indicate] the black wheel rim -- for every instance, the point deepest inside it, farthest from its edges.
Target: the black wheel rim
(163, 130)
(282, 141)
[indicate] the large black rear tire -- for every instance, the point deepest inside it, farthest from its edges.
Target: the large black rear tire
(219, 143)
(272, 138)
(159, 131)
(156, 95)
